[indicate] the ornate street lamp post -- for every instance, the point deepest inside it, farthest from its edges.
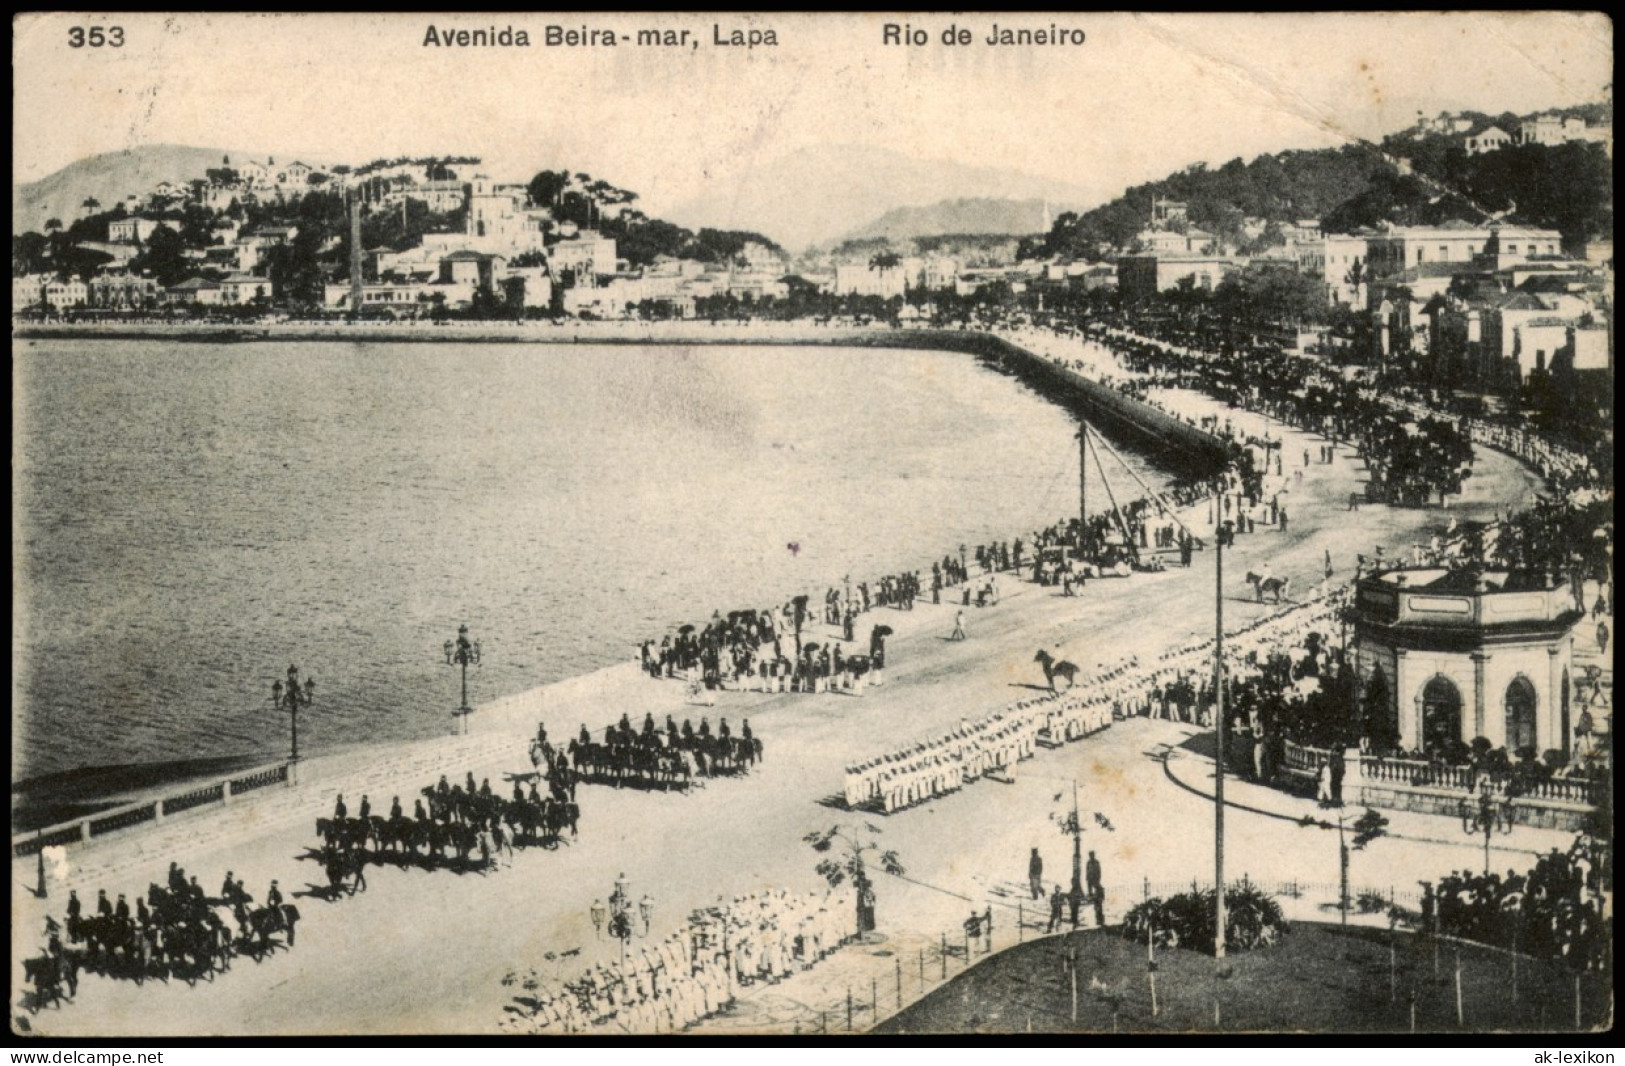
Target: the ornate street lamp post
(461, 652)
(291, 698)
(621, 909)
(1072, 825)
(1490, 818)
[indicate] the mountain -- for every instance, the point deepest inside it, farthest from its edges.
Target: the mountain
(982, 215)
(1281, 187)
(1412, 178)
(814, 195)
(109, 178)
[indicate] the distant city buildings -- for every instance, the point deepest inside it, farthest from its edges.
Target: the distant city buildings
(1491, 302)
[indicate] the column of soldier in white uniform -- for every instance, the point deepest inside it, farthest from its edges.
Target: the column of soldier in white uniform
(695, 972)
(901, 779)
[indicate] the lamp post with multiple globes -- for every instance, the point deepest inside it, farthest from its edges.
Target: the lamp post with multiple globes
(461, 652)
(291, 698)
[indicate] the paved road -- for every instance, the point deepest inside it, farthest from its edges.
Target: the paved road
(426, 952)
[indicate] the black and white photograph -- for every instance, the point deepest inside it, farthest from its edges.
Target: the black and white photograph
(811, 525)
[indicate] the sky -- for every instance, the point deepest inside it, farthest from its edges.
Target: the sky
(1142, 96)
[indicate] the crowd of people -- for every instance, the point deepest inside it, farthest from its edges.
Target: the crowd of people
(771, 650)
(1555, 910)
(757, 652)
(1412, 455)
(1412, 444)
(175, 930)
(759, 938)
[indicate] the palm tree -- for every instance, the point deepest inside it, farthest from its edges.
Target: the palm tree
(884, 260)
(53, 225)
(90, 205)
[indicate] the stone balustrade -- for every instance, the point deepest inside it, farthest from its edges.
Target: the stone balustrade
(147, 812)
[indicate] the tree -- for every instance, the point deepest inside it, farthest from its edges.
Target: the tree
(847, 863)
(1368, 827)
(513, 294)
(1357, 278)
(52, 225)
(295, 272)
(30, 253)
(545, 187)
(885, 260)
(163, 257)
(74, 261)
(91, 205)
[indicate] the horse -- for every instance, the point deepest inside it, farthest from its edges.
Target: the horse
(197, 949)
(564, 815)
(109, 936)
(561, 783)
(343, 872)
(1278, 587)
(1054, 668)
(48, 974)
(673, 770)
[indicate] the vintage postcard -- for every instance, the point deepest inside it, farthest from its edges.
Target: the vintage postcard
(602, 524)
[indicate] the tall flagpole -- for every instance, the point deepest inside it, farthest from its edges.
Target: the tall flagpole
(1083, 488)
(1218, 757)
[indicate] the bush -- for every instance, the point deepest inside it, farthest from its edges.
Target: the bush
(1252, 920)
(1369, 902)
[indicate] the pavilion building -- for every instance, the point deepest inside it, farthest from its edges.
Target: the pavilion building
(1445, 656)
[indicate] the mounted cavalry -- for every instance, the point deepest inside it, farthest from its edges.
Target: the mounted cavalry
(173, 932)
(451, 827)
(667, 760)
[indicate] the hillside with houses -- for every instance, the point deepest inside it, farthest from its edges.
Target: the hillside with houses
(403, 237)
(1480, 245)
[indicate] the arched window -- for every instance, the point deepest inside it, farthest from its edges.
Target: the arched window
(1441, 714)
(1521, 700)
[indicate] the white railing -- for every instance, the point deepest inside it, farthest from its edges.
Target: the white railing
(145, 812)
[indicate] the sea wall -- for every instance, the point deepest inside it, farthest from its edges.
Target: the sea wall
(1192, 449)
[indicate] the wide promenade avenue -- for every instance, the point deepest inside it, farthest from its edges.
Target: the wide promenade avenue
(427, 951)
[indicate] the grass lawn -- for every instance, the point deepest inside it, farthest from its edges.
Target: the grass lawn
(1319, 978)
